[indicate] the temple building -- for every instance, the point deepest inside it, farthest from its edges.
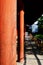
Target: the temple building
(14, 15)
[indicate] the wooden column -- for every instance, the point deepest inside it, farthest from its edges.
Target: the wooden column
(21, 35)
(8, 32)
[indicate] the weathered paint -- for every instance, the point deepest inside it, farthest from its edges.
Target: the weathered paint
(21, 35)
(8, 32)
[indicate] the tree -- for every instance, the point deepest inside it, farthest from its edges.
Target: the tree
(40, 24)
(40, 28)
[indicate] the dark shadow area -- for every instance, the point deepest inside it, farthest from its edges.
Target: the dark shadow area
(31, 48)
(18, 49)
(18, 28)
(34, 52)
(24, 55)
(28, 49)
(33, 10)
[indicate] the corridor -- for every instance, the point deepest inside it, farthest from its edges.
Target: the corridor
(33, 56)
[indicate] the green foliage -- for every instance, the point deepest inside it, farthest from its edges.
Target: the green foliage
(39, 36)
(40, 26)
(40, 22)
(40, 19)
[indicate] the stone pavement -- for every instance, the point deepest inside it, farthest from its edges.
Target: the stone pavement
(33, 55)
(32, 60)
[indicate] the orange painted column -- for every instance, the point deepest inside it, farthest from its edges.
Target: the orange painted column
(8, 32)
(21, 36)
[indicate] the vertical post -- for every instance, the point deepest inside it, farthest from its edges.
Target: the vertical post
(8, 32)
(21, 35)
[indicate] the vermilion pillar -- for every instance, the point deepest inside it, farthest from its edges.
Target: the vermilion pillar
(21, 35)
(8, 32)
